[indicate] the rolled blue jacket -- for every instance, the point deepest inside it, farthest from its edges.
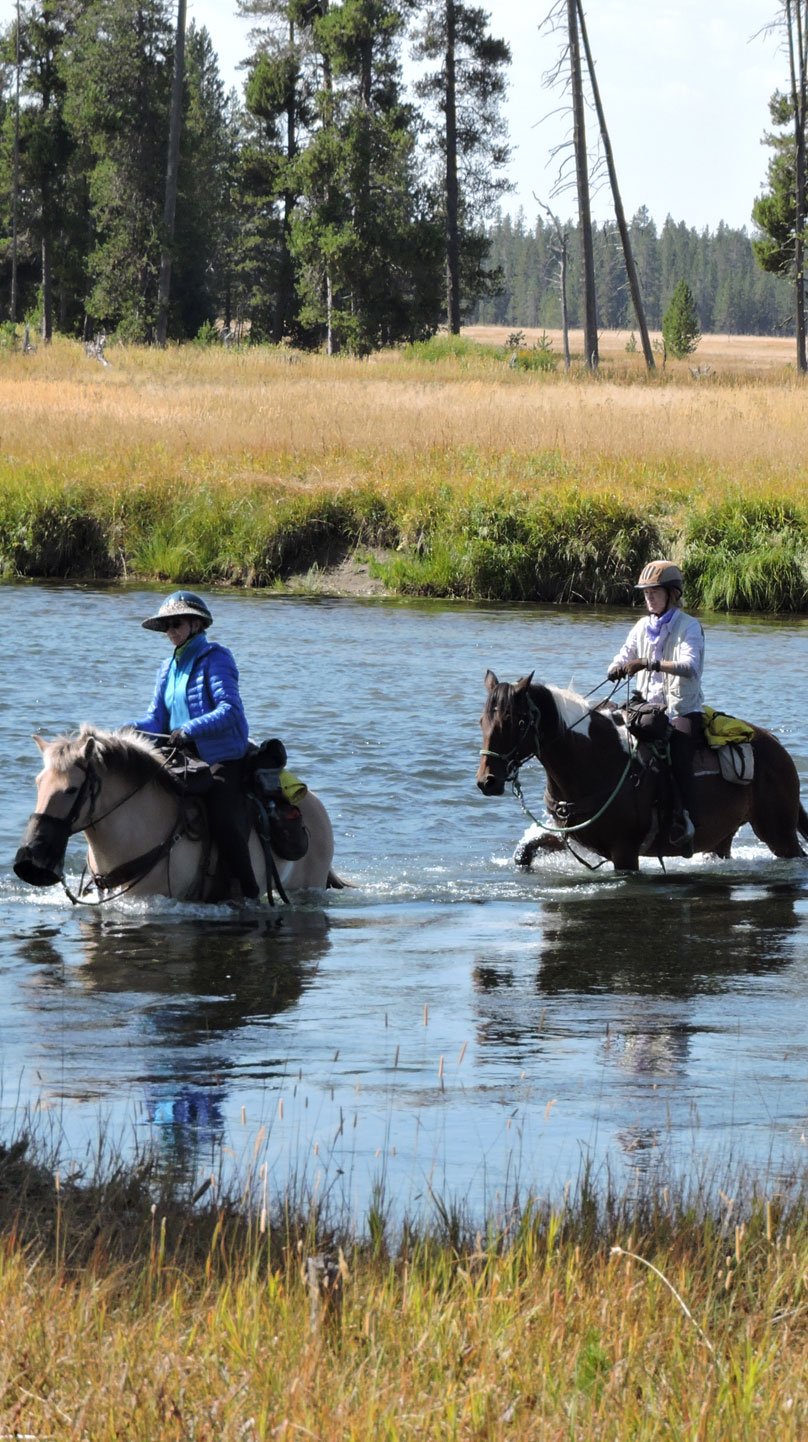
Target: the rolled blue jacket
(218, 724)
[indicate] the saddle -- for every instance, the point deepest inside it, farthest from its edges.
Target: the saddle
(272, 793)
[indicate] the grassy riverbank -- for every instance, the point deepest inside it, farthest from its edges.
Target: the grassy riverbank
(449, 472)
(129, 1311)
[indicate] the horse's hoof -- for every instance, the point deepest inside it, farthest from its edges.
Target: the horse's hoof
(525, 853)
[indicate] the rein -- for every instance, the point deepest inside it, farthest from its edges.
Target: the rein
(531, 720)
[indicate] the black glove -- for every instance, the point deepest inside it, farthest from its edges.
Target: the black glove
(177, 740)
(615, 673)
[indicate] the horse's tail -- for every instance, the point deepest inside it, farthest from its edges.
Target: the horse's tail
(336, 883)
(802, 824)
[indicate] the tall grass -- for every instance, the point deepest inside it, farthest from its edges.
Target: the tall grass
(463, 477)
(129, 1311)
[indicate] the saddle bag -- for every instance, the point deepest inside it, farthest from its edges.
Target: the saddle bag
(736, 762)
(274, 792)
(648, 723)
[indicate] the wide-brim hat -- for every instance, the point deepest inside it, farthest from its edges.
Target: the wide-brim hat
(177, 605)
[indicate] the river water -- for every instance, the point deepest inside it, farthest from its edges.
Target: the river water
(447, 1031)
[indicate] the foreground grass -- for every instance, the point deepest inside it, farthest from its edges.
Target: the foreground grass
(129, 1313)
(459, 476)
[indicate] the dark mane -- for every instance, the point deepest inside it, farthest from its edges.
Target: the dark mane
(125, 752)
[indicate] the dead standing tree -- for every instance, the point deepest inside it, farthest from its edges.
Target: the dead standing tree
(582, 184)
(561, 237)
(620, 216)
(568, 15)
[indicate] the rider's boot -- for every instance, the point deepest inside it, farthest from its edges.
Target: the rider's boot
(685, 817)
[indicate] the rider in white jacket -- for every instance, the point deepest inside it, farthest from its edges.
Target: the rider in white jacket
(665, 651)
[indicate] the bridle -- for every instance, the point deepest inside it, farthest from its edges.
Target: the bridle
(513, 762)
(124, 877)
(512, 759)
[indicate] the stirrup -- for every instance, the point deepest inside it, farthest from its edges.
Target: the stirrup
(681, 832)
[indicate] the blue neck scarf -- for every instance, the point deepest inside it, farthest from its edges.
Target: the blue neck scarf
(177, 680)
(654, 624)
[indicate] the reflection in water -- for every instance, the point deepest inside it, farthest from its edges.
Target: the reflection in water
(634, 961)
(687, 937)
(189, 987)
(215, 975)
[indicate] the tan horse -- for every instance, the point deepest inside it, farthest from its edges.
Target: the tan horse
(143, 837)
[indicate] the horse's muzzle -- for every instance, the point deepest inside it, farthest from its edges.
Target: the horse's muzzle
(488, 783)
(41, 855)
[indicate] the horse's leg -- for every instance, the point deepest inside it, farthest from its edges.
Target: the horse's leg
(526, 852)
(722, 850)
(625, 856)
(775, 813)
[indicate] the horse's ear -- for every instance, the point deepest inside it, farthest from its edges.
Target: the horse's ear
(523, 684)
(40, 743)
(89, 747)
(490, 681)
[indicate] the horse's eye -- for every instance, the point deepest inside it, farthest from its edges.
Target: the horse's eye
(70, 790)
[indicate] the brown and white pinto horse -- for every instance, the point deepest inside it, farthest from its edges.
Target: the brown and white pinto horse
(143, 837)
(585, 753)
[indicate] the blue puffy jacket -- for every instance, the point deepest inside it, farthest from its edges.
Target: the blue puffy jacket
(218, 725)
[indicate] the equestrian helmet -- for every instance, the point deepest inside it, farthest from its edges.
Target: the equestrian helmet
(178, 605)
(660, 573)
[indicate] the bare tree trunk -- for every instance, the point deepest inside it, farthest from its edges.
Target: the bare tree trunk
(331, 344)
(562, 279)
(582, 180)
(452, 219)
(798, 64)
(15, 199)
(628, 256)
(172, 176)
(47, 288)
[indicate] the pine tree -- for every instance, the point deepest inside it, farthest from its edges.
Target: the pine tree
(680, 324)
(364, 240)
(467, 136)
(781, 214)
(118, 70)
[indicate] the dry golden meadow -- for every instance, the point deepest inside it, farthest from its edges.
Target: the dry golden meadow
(307, 420)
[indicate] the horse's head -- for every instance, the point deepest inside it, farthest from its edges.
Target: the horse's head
(66, 792)
(509, 732)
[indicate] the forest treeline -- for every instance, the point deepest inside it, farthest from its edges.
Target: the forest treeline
(733, 294)
(326, 205)
(330, 204)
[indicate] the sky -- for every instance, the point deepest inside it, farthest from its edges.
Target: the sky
(685, 86)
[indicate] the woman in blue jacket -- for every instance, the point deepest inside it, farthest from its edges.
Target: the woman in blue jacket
(197, 699)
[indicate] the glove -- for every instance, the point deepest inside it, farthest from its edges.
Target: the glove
(628, 668)
(177, 740)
